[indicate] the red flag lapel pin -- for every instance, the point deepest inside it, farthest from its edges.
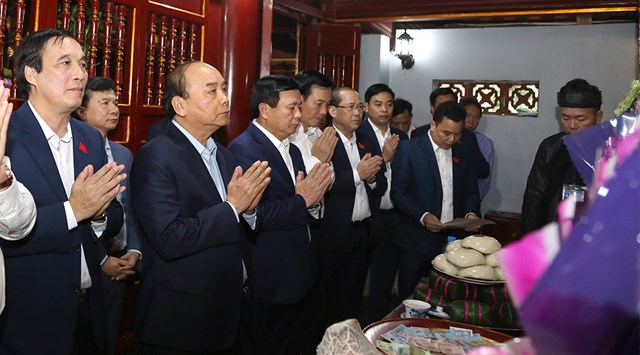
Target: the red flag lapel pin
(456, 160)
(83, 148)
(361, 146)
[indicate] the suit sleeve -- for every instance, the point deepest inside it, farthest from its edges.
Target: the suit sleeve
(481, 166)
(402, 184)
(156, 189)
(133, 237)
(273, 213)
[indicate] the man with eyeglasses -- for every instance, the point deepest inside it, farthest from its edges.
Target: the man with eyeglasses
(382, 270)
(432, 184)
(350, 204)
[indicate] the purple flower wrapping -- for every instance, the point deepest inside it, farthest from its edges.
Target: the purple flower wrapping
(583, 145)
(587, 301)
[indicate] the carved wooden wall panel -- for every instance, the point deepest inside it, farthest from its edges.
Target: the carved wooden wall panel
(135, 42)
(14, 18)
(335, 51)
(507, 98)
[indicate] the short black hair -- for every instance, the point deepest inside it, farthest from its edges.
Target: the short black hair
(578, 93)
(267, 90)
(175, 85)
(401, 105)
(441, 92)
(451, 110)
(29, 53)
(336, 95)
(307, 79)
(471, 101)
(375, 89)
(97, 83)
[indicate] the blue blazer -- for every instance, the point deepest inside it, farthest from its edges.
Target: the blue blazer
(122, 155)
(283, 267)
(340, 198)
(191, 286)
(366, 129)
(43, 269)
(416, 188)
(469, 142)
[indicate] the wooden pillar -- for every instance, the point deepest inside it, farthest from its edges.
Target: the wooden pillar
(242, 49)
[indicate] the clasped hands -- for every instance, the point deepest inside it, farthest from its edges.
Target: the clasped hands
(325, 145)
(120, 268)
(245, 189)
(368, 167)
(92, 192)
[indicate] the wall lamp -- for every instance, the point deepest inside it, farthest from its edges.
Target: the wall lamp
(404, 45)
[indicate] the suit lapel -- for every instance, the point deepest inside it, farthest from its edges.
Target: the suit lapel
(455, 155)
(271, 152)
(80, 152)
(368, 131)
(340, 158)
(38, 146)
(193, 160)
(431, 161)
(224, 168)
(361, 143)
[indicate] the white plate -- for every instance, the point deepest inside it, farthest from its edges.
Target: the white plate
(471, 281)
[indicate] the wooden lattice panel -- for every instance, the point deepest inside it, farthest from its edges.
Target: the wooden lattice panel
(169, 42)
(13, 15)
(506, 98)
(104, 30)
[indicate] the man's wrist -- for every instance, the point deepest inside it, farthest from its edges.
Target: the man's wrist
(100, 218)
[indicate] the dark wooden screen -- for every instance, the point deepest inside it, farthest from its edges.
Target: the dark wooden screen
(334, 50)
(135, 42)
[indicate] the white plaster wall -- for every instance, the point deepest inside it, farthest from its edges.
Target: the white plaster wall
(605, 55)
(375, 61)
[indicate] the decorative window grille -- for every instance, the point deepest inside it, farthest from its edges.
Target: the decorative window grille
(504, 98)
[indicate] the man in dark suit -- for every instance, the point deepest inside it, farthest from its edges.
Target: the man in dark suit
(281, 254)
(432, 185)
(468, 140)
(54, 295)
(158, 128)
(384, 261)
(351, 202)
(192, 208)
(100, 110)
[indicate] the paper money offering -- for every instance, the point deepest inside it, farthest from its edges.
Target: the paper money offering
(425, 341)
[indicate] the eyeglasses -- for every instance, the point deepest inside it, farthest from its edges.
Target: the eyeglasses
(352, 107)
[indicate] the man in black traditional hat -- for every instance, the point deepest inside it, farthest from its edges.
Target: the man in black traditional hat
(553, 171)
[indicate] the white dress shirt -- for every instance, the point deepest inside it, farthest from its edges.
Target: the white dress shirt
(304, 141)
(445, 167)
(361, 208)
(208, 155)
(283, 148)
(385, 202)
(62, 151)
(120, 241)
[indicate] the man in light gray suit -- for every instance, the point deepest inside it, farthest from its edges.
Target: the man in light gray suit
(100, 110)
